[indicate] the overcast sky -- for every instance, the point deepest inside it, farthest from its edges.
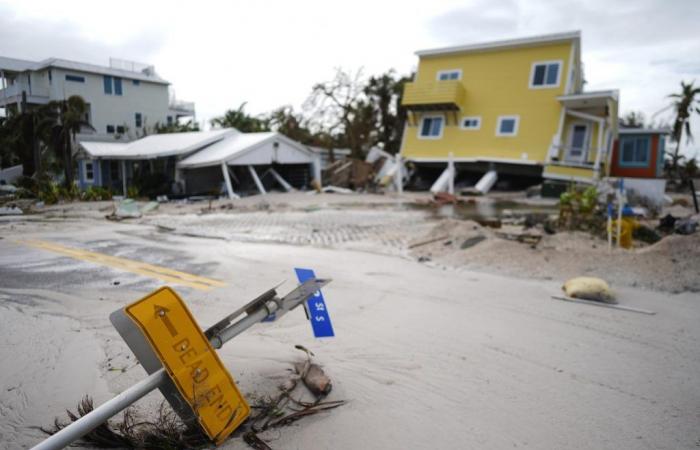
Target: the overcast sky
(270, 53)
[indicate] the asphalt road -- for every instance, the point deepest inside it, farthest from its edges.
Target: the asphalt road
(426, 357)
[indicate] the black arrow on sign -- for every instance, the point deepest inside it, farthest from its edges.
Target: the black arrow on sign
(161, 313)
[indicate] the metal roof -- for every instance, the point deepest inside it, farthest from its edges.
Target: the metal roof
(21, 65)
(499, 45)
(15, 65)
(613, 93)
(98, 149)
(644, 130)
(233, 147)
(226, 149)
(157, 145)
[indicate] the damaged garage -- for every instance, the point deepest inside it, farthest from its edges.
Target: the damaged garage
(247, 163)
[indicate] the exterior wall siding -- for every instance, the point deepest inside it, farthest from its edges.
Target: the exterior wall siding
(149, 99)
(651, 170)
(496, 83)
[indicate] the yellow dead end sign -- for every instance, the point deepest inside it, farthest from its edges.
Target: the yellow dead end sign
(192, 363)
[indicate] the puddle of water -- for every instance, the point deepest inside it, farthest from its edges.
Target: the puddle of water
(483, 210)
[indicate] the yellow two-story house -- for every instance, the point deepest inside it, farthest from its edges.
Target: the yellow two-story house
(515, 106)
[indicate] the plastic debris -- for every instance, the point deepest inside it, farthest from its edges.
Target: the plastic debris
(150, 206)
(10, 210)
(686, 226)
(127, 209)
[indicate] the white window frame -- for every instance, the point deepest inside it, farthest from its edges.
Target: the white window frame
(441, 72)
(478, 123)
(85, 171)
(431, 116)
(515, 128)
(546, 63)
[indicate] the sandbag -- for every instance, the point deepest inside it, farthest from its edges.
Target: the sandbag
(589, 288)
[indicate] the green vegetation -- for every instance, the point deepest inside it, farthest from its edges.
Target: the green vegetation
(579, 210)
(349, 111)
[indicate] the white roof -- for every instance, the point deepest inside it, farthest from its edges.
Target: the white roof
(644, 130)
(15, 65)
(98, 149)
(509, 43)
(240, 148)
(157, 145)
(613, 93)
(21, 65)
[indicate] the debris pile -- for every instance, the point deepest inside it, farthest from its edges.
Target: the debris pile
(349, 173)
(129, 209)
(167, 430)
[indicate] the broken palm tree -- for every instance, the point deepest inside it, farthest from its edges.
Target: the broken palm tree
(168, 431)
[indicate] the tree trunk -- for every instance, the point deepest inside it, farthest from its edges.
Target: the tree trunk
(67, 161)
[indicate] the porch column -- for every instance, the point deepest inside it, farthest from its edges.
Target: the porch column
(316, 165)
(398, 175)
(599, 152)
(227, 179)
(124, 177)
(258, 183)
(558, 139)
(451, 168)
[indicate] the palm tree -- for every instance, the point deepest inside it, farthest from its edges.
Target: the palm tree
(21, 138)
(685, 104)
(67, 119)
(238, 119)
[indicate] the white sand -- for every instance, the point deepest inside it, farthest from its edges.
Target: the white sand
(428, 356)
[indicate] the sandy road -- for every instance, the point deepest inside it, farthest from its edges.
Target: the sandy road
(428, 358)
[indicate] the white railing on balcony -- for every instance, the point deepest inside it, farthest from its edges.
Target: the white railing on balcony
(13, 91)
(131, 66)
(564, 155)
(179, 105)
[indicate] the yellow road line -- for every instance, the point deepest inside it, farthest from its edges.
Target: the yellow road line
(129, 265)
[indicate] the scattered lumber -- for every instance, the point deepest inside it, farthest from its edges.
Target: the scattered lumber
(429, 241)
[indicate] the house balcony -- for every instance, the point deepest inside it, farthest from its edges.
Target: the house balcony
(178, 108)
(12, 94)
(433, 96)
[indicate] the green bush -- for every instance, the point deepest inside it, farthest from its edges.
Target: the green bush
(132, 192)
(578, 209)
(96, 193)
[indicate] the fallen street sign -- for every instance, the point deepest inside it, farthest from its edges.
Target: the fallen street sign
(201, 389)
(181, 361)
(316, 308)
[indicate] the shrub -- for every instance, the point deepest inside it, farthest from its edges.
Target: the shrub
(96, 193)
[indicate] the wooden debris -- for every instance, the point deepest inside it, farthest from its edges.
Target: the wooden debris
(604, 305)
(349, 173)
(429, 241)
(255, 442)
(525, 238)
(443, 198)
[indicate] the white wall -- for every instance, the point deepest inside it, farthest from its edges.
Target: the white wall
(149, 99)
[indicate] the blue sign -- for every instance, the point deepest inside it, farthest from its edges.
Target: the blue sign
(316, 307)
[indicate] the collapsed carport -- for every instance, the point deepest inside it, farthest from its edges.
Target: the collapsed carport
(250, 161)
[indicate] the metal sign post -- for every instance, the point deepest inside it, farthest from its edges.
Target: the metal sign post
(217, 335)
